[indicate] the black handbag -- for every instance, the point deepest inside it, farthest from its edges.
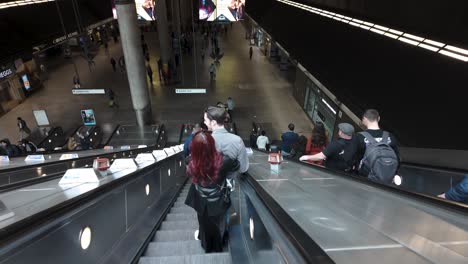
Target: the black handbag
(223, 192)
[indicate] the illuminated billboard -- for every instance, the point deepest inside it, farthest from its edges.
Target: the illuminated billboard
(144, 8)
(221, 10)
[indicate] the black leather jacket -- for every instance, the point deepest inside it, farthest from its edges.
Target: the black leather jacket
(211, 198)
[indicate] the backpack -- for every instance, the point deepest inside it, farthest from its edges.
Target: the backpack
(380, 159)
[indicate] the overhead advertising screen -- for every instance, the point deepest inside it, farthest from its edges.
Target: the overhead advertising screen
(145, 9)
(221, 10)
(88, 117)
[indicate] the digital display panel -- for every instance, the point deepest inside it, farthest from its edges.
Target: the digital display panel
(88, 117)
(221, 10)
(144, 8)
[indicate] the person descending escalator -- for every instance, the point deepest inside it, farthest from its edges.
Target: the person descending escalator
(317, 142)
(340, 154)
(377, 150)
(209, 194)
(212, 70)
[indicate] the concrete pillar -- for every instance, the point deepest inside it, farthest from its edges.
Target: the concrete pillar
(185, 18)
(134, 61)
(176, 17)
(163, 33)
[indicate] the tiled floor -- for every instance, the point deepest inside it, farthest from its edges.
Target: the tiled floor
(261, 92)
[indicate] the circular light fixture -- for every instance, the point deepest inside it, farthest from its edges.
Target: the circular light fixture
(147, 189)
(50, 140)
(91, 140)
(95, 133)
(397, 180)
(169, 172)
(252, 228)
(85, 237)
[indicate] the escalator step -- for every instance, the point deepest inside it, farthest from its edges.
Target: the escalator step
(173, 235)
(181, 217)
(215, 258)
(180, 225)
(181, 206)
(178, 204)
(181, 200)
(179, 248)
(182, 210)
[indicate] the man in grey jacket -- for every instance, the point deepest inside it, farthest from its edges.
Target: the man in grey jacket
(228, 144)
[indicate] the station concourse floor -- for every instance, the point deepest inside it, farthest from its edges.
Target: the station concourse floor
(262, 93)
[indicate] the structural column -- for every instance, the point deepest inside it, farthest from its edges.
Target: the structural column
(184, 13)
(163, 33)
(134, 61)
(176, 17)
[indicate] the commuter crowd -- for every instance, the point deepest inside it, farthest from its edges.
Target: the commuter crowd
(372, 153)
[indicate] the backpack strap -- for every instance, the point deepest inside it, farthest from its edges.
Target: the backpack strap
(385, 137)
(368, 136)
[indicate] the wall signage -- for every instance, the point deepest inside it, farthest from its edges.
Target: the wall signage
(5, 73)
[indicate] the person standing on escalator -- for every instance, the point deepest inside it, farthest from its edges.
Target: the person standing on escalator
(227, 143)
(209, 194)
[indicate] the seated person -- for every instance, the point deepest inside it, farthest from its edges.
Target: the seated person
(340, 154)
(458, 193)
(317, 142)
(262, 141)
(9, 149)
(289, 139)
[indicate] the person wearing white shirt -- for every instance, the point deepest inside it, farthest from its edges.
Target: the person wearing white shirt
(262, 141)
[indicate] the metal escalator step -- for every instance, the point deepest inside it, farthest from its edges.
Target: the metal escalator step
(181, 217)
(179, 248)
(173, 235)
(181, 206)
(180, 225)
(181, 200)
(182, 210)
(178, 204)
(212, 258)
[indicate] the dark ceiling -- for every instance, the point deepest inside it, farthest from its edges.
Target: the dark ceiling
(26, 26)
(441, 20)
(420, 94)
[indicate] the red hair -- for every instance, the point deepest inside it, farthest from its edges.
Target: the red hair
(206, 161)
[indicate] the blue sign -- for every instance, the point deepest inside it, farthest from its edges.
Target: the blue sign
(88, 117)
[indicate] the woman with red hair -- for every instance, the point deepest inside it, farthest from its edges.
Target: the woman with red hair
(209, 194)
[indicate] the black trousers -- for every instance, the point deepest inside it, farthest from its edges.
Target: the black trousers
(211, 231)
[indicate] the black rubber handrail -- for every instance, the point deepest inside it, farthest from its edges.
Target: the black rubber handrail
(112, 134)
(182, 127)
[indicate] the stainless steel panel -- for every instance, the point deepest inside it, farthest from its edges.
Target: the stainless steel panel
(346, 217)
(62, 245)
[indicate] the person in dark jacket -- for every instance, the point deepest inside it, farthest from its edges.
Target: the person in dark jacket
(208, 194)
(189, 139)
(289, 139)
(458, 193)
(27, 146)
(10, 149)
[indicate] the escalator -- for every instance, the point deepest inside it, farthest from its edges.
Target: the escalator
(297, 214)
(19, 173)
(175, 242)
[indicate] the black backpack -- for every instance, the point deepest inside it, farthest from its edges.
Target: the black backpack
(380, 159)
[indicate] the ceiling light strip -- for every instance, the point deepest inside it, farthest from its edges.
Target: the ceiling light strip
(451, 51)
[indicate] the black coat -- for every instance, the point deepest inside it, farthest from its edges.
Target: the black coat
(209, 199)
